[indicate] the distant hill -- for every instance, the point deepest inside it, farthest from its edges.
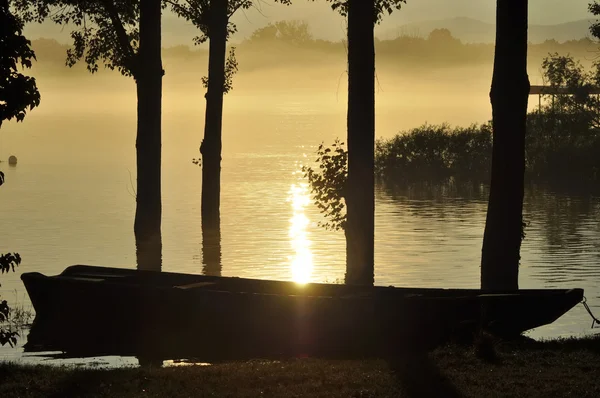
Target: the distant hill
(470, 30)
(175, 31)
(178, 32)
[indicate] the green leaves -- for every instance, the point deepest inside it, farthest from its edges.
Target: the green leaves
(381, 7)
(579, 110)
(198, 12)
(6, 336)
(594, 8)
(231, 68)
(328, 182)
(105, 31)
(435, 152)
(18, 92)
(9, 261)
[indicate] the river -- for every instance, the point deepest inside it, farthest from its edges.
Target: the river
(70, 200)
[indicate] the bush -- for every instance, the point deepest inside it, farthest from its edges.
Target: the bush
(435, 153)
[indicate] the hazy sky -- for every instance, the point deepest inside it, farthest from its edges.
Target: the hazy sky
(541, 11)
(328, 25)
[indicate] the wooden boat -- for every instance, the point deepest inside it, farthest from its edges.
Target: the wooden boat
(88, 310)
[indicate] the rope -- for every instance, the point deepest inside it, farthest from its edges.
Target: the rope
(594, 319)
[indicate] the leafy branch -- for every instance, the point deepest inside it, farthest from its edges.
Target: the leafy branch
(231, 67)
(327, 184)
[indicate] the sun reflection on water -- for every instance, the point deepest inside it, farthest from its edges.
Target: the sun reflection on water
(301, 261)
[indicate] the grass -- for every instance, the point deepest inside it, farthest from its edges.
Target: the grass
(556, 368)
(20, 315)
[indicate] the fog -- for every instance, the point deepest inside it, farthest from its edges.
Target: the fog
(293, 78)
(433, 79)
(328, 25)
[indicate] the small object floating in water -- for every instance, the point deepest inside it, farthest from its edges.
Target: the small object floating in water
(12, 159)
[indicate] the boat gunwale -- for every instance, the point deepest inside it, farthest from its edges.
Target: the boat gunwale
(345, 291)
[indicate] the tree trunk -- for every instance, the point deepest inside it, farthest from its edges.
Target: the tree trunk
(360, 190)
(148, 144)
(211, 144)
(509, 95)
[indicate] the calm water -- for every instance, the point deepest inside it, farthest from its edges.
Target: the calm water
(70, 200)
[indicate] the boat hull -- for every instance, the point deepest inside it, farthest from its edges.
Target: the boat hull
(103, 311)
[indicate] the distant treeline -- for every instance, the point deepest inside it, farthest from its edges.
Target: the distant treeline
(290, 43)
(561, 145)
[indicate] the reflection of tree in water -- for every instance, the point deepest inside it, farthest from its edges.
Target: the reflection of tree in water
(149, 253)
(435, 199)
(569, 218)
(149, 258)
(563, 231)
(211, 250)
(569, 221)
(562, 248)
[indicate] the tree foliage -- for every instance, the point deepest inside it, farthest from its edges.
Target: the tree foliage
(17, 91)
(105, 31)
(327, 183)
(289, 32)
(579, 110)
(594, 8)
(435, 153)
(198, 12)
(231, 68)
(381, 7)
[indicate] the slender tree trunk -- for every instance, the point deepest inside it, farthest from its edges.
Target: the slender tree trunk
(148, 78)
(509, 95)
(360, 190)
(211, 144)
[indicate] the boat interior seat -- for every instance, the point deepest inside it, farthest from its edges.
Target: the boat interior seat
(195, 285)
(93, 278)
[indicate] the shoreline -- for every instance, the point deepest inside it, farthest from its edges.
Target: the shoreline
(527, 368)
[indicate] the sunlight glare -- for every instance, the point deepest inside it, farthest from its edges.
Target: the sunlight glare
(301, 260)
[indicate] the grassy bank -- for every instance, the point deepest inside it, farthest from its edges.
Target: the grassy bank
(526, 369)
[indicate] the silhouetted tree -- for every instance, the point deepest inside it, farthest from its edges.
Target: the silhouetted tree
(290, 32)
(443, 38)
(17, 93)
(578, 112)
(509, 95)
(211, 17)
(124, 35)
(360, 191)
(594, 8)
(360, 187)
